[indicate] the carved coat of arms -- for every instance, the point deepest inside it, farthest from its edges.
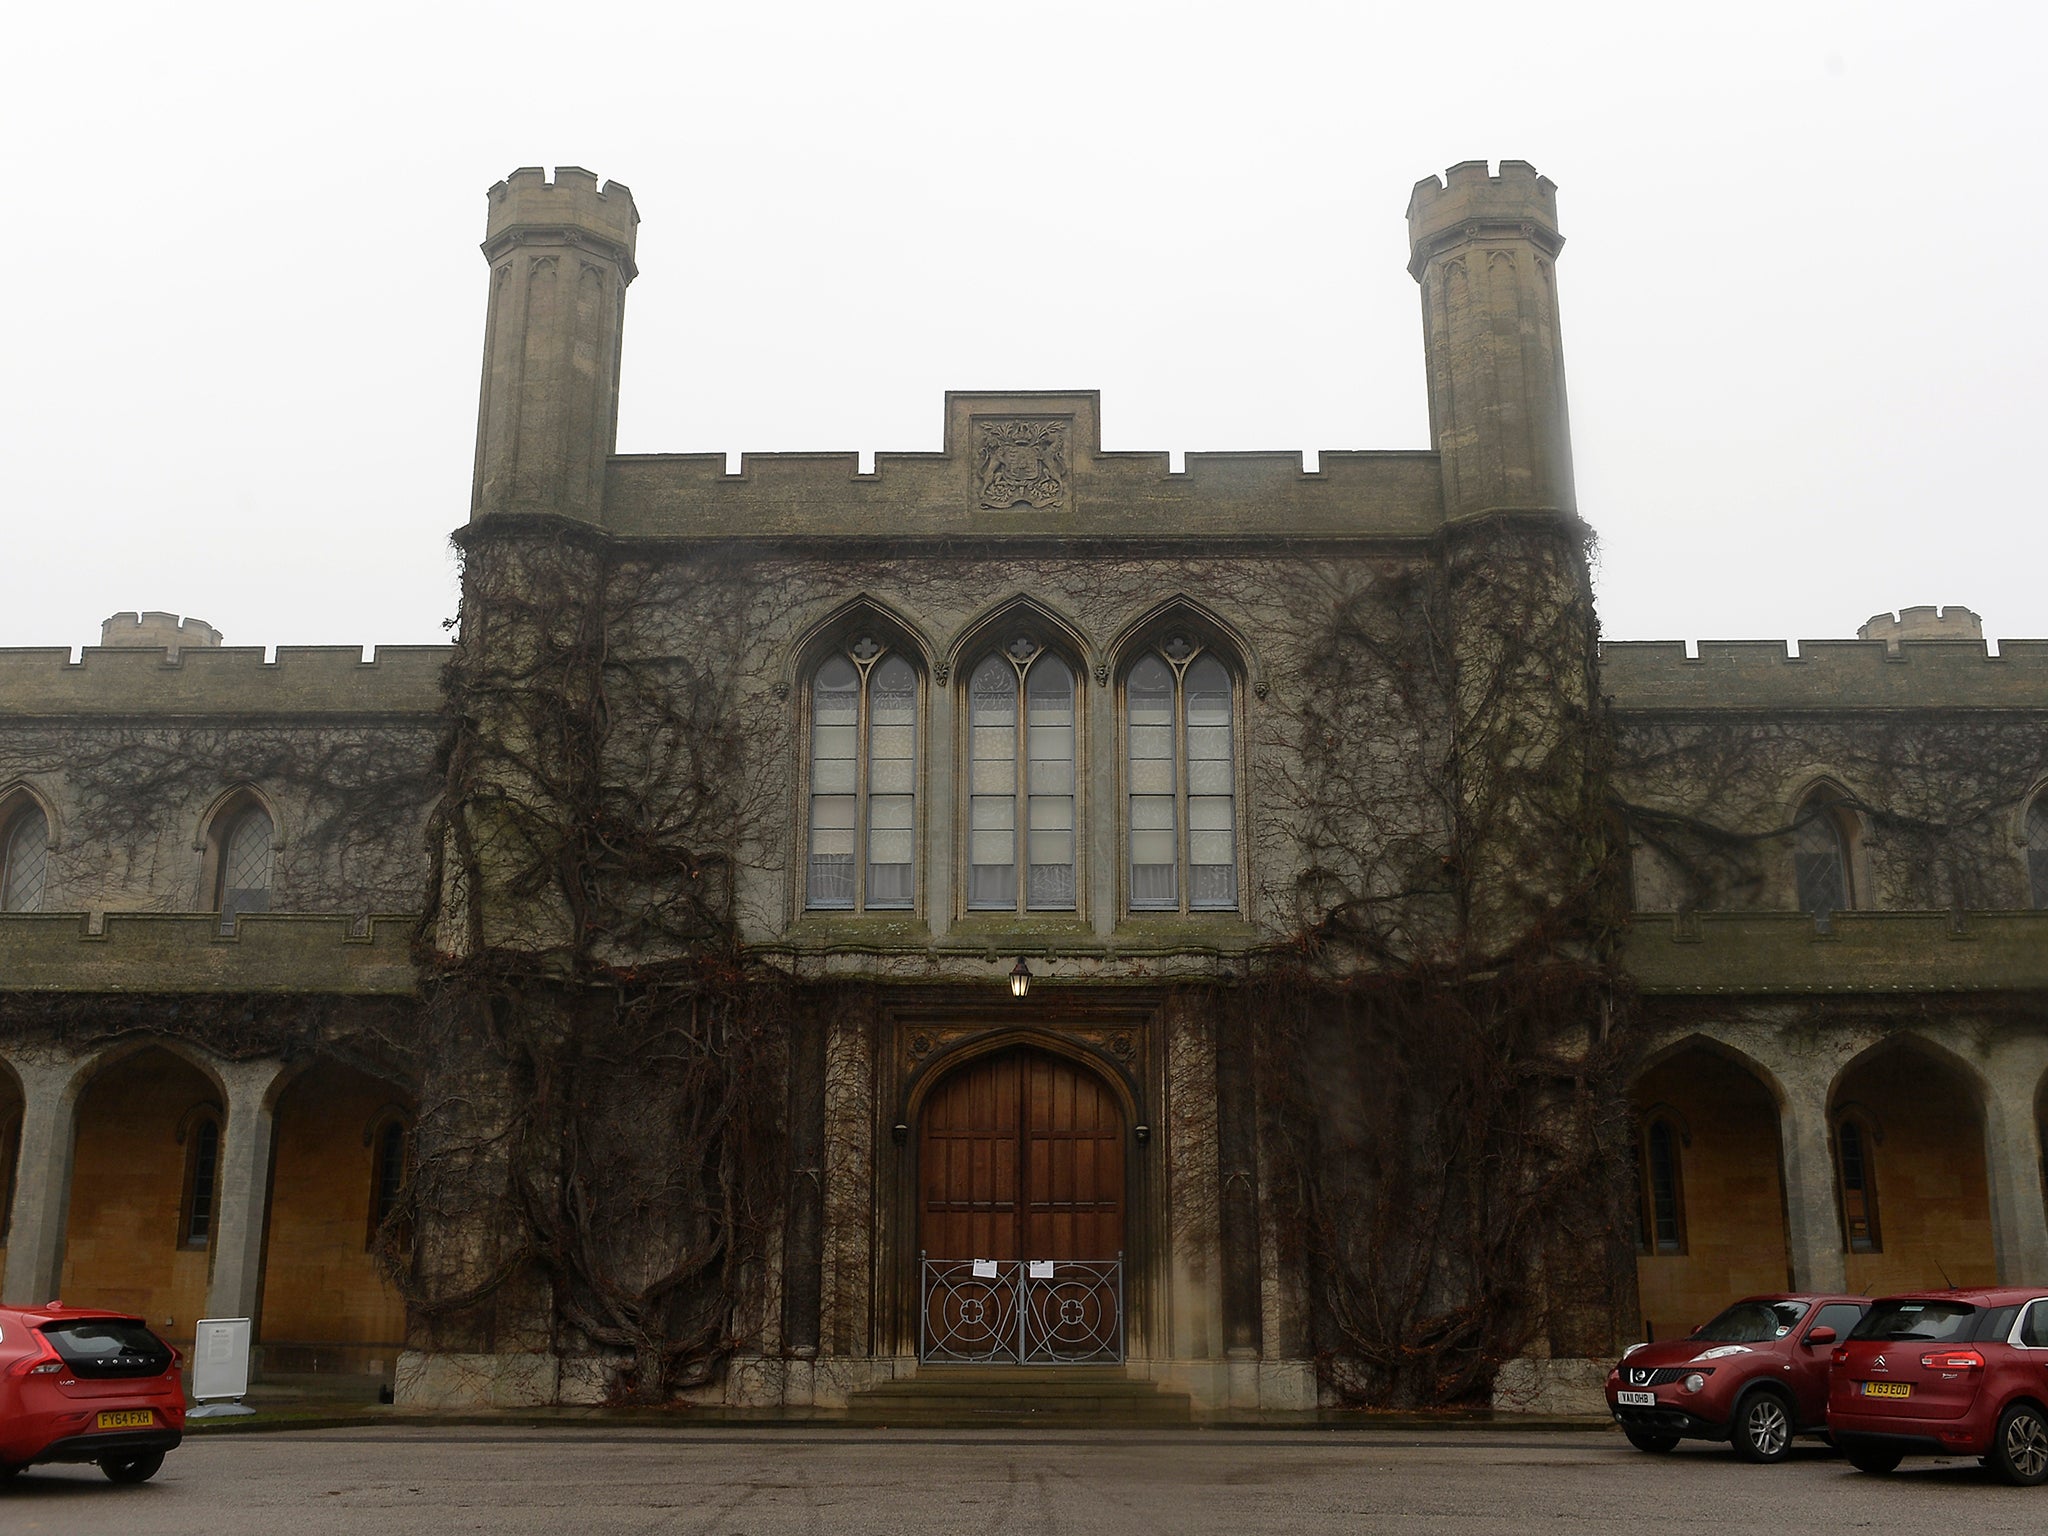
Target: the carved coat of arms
(1021, 463)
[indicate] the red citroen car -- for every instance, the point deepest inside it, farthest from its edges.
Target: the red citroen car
(1755, 1376)
(1947, 1373)
(78, 1384)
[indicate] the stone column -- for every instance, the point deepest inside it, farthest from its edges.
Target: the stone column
(42, 1181)
(244, 1207)
(1813, 1229)
(2012, 1148)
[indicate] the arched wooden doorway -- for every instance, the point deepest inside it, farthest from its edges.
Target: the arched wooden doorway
(1021, 1212)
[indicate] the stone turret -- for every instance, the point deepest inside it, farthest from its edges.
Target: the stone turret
(150, 630)
(561, 255)
(1484, 250)
(1925, 622)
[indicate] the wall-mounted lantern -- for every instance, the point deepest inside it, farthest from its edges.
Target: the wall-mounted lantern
(1020, 978)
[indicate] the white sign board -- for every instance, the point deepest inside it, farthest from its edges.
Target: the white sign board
(984, 1269)
(220, 1358)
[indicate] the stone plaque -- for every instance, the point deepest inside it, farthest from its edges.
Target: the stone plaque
(1021, 463)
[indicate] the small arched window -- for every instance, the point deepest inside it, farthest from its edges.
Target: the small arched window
(1020, 706)
(242, 869)
(1856, 1169)
(1822, 835)
(1181, 778)
(863, 781)
(202, 1177)
(2037, 852)
(389, 1166)
(24, 856)
(1662, 1187)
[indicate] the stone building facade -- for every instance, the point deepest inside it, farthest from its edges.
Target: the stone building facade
(1174, 890)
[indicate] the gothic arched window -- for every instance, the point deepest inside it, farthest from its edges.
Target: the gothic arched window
(202, 1174)
(1020, 709)
(863, 781)
(1663, 1187)
(1823, 833)
(1181, 780)
(2037, 851)
(24, 856)
(242, 861)
(388, 1141)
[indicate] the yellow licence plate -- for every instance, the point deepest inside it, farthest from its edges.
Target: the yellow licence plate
(1887, 1389)
(127, 1418)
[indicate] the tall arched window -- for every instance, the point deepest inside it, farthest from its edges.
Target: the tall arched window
(24, 856)
(1020, 707)
(1856, 1169)
(202, 1174)
(242, 868)
(863, 781)
(1663, 1186)
(388, 1169)
(1181, 778)
(2037, 851)
(1822, 836)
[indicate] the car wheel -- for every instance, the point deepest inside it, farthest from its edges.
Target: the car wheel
(2019, 1451)
(135, 1467)
(1871, 1458)
(1763, 1428)
(1649, 1440)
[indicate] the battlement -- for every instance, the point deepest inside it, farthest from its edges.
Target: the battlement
(1925, 622)
(151, 630)
(527, 202)
(1826, 674)
(1467, 201)
(187, 952)
(396, 679)
(1020, 465)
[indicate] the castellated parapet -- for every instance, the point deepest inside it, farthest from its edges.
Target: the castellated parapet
(224, 681)
(1925, 622)
(572, 207)
(1484, 248)
(1825, 675)
(151, 630)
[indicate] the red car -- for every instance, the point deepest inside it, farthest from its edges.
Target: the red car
(78, 1384)
(1947, 1373)
(1755, 1376)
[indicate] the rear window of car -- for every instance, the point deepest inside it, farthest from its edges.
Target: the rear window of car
(108, 1346)
(1947, 1321)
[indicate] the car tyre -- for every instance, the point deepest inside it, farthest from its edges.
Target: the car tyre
(1763, 1428)
(2019, 1449)
(132, 1467)
(1651, 1441)
(1875, 1459)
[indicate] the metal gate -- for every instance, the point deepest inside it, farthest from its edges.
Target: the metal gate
(1021, 1311)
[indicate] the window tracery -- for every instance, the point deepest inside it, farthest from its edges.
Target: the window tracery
(1181, 780)
(1822, 837)
(863, 795)
(243, 864)
(1021, 752)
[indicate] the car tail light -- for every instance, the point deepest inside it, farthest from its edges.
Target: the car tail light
(1841, 1354)
(46, 1362)
(1952, 1360)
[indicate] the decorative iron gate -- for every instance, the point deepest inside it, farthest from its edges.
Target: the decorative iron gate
(1021, 1311)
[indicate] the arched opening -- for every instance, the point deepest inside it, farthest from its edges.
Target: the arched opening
(1710, 1188)
(1021, 1156)
(1824, 837)
(144, 1191)
(339, 1165)
(24, 852)
(1906, 1127)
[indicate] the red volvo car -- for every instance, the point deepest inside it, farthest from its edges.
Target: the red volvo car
(1949, 1373)
(78, 1384)
(1755, 1376)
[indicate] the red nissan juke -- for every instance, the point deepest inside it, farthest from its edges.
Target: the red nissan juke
(82, 1385)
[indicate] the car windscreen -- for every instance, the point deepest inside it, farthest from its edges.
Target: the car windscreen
(108, 1346)
(1754, 1322)
(1939, 1320)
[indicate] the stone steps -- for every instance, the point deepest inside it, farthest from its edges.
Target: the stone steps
(1019, 1397)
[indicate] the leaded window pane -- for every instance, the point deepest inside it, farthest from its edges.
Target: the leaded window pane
(245, 866)
(205, 1163)
(1819, 861)
(992, 807)
(24, 859)
(1665, 1236)
(1148, 702)
(892, 776)
(835, 776)
(1049, 716)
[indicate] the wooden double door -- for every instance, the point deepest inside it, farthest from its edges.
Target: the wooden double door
(1021, 1156)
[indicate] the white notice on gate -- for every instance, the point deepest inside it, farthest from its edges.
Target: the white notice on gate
(984, 1269)
(1041, 1269)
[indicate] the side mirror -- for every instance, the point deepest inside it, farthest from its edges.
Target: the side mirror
(1815, 1337)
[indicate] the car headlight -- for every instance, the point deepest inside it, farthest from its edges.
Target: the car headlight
(1695, 1381)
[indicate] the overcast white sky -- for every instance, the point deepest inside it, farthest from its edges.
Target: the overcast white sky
(1803, 311)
